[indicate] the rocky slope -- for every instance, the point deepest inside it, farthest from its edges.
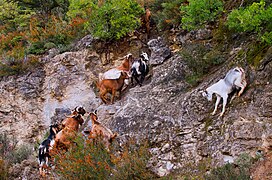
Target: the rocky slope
(166, 110)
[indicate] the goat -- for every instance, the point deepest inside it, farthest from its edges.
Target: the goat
(140, 69)
(98, 130)
(146, 20)
(115, 73)
(70, 127)
(111, 86)
(45, 147)
(234, 79)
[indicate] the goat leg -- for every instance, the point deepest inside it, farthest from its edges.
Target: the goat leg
(137, 80)
(102, 96)
(113, 94)
(216, 104)
(142, 79)
(224, 105)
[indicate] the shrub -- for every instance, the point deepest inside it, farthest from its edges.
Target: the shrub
(132, 163)
(10, 153)
(199, 13)
(84, 161)
(254, 18)
(230, 172)
(112, 20)
(200, 60)
(3, 169)
(91, 160)
(166, 13)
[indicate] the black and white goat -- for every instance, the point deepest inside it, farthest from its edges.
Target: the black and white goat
(45, 147)
(139, 69)
(234, 79)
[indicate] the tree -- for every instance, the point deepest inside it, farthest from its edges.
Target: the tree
(199, 13)
(254, 18)
(113, 19)
(46, 7)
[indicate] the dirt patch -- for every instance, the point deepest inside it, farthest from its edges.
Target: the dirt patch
(262, 170)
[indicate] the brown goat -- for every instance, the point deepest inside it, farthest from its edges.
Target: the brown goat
(111, 86)
(146, 20)
(115, 73)
(99, 130)
(70, 128)
(125, 66)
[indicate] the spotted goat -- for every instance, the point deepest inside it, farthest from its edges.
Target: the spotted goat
(45, 148)
(139, 69)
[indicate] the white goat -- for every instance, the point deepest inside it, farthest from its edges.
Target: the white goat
(235, 78)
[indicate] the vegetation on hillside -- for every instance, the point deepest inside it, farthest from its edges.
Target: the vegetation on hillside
(89, 159)
(29, 28)
(33, 27)
(11, 153)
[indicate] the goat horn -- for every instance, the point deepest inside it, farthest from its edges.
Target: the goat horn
(70, 116)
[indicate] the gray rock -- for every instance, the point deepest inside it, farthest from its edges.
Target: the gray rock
(159, 51)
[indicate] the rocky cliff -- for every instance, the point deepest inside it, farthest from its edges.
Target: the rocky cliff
(167, 111)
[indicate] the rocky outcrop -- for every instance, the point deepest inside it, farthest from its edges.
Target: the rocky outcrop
(167, 111)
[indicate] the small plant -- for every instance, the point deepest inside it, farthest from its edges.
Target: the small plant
(167, 13)
(230, 172)
(11, 153)
(90, 160)
(112, 20)
(200, 60)
(3, 169)
(199, 13)
(254, 18)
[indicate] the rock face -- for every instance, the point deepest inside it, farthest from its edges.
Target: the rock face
(166, 110)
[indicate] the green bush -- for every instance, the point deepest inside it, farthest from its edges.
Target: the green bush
(37, 48)
(112, 20)
(11, 153)
(166, 13)
(200, 60)
(49, 45)
(230, 172)
(199, 13)
(254, 18)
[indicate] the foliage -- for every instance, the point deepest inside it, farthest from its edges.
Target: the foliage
(230, 172)
(10, 153)
(166, 13)
(200, 60)
(132, 163)
(90, 160)
(199, 13)
(46, 7)
(3, 169)
(113, 19)
(80, 9)
(13, 16)
(254, 18)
